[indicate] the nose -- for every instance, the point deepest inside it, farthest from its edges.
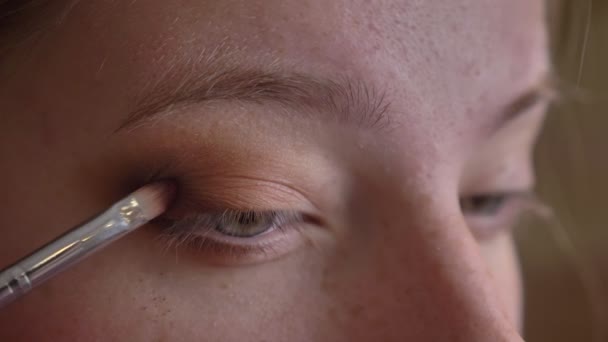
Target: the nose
(455, 292)
(420, 277)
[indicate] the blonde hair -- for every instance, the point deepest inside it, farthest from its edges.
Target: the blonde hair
(565, 183)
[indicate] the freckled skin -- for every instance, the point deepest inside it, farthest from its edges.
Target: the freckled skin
(397, 263)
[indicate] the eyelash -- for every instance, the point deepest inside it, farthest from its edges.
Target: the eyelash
(215, 233)
(485, 204)
(492, 213)
(223, 235)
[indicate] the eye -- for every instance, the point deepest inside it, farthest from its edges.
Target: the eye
(492, 213)
(484, 205)
(245, 224)
(237, 236)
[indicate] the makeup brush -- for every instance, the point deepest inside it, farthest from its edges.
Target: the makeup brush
(120, 219)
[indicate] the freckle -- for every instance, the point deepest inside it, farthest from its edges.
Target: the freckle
(224, 286)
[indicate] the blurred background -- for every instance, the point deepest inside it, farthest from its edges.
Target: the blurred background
(565, 260)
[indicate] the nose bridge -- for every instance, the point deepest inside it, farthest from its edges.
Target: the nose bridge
(449, 280)
(428, 280)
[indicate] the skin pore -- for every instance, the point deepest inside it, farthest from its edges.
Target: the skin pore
(379, 137)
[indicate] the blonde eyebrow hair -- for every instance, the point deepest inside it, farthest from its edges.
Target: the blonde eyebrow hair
(343, 100)
(546, 90)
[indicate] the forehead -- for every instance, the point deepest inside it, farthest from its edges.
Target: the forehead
(404, 42)
(442, 64)
(399, 36)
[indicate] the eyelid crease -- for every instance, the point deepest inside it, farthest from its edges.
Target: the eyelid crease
(512, 193)
(240, 192)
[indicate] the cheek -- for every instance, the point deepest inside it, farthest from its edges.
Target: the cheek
(106, 297)
(135, 289)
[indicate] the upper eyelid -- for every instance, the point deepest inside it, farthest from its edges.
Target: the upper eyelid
(209, 219)
(523, 200)
(241, 193)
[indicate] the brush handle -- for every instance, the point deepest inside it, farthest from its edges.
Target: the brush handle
(75, 245)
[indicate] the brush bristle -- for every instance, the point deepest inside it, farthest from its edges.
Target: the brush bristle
(155, 198)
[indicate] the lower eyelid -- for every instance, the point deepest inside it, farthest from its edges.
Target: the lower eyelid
(214, 249)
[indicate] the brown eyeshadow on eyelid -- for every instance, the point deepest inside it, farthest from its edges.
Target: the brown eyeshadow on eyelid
(220, 178)
(239, 192)
(219, 164)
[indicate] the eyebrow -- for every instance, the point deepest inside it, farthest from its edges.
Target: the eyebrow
(343, 100)
(543, 91)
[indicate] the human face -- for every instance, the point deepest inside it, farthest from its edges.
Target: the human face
(373, 138)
